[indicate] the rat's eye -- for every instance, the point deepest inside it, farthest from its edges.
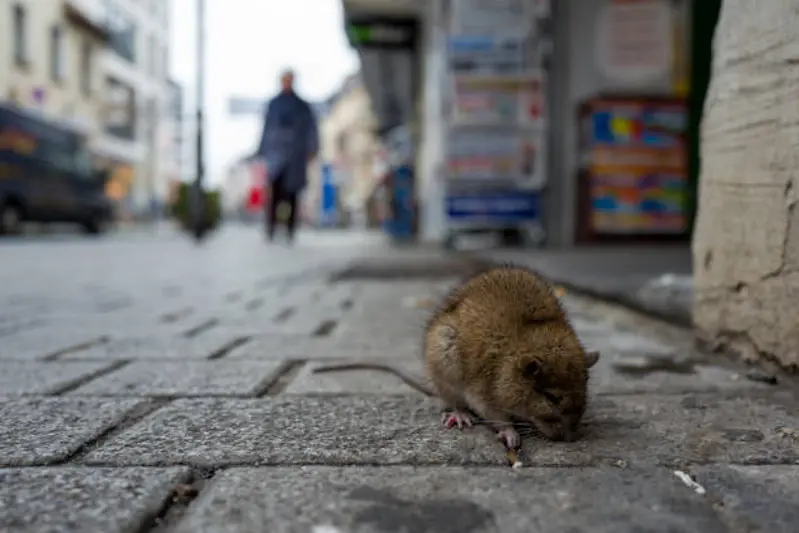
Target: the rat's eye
(549, 419)
(552, 398)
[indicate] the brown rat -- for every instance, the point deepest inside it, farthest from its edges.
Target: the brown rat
(501, 345)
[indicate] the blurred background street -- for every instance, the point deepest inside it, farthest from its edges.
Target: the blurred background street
(158, 341)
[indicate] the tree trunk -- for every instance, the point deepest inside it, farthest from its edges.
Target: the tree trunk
(746, 241)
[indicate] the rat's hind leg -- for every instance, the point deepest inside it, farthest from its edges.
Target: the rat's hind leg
(443, 369)
(455, 412)
(457, 417)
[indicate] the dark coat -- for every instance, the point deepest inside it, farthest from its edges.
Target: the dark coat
(290, 138)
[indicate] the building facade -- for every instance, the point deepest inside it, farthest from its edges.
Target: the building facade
(51, 60)
(100, 66)
(173, 142)
(625, 67)
(135, 131)
(349, 145)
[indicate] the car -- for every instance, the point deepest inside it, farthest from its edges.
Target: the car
(46, 175)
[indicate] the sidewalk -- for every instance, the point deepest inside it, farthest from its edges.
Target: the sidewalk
(227, 429)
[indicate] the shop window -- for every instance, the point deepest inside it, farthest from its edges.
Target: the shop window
(57, 54)
(86, 68)
(20, 35)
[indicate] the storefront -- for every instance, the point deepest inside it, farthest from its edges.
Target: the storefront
(605, 117)
(389, 48)
(628, 89)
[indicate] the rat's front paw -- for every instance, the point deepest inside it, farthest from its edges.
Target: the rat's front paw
(510, 437)
(457, 418)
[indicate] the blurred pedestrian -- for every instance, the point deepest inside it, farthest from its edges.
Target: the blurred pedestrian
(289, 142)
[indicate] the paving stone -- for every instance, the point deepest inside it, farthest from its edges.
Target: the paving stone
(96, 500)
(355, 381)
(297, 429)
(36, 377)
(185, 378)
(302, 347)
(448, 500)
(613, 341)
(38, 343)
(633, 429)
(156, 347)
(607, 379)
(39, 431)
(388, 328)
(755, 495)
(307, 323)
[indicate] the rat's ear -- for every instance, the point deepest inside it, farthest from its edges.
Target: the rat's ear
(532, 369)
(591, 357)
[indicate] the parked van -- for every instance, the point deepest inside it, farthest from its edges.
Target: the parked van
(46, 175)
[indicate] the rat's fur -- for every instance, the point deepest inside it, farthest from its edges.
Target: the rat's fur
(501, 346)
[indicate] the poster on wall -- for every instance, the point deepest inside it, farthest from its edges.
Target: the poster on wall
(634, 40)
(510, 206)
(488, 54)
(476, 17)
(638, 170)
(635, 123)
(635, 202)
(496, 156)
(512, 100)
(496, 113)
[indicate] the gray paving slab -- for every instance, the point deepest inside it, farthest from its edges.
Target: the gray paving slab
(39, 343)
(296, 430)
(388, 328)
(155, 347)
(640, 375)
(755, 495)
(448, 500)
(615, 341)
(37, 377)
(308, 322)
(185, 378)
(371, 429)
(96, 500)
(37, 431)
(302, 347)
(354, 381)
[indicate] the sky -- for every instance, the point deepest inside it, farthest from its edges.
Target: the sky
(248, 43)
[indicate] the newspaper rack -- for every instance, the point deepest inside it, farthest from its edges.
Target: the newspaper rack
(495, 166)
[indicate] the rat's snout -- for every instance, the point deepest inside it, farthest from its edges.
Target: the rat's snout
(558, 430)
(552, 429)
(565, 435)
(572, 432)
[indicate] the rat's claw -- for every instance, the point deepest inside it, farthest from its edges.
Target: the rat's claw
(510, 437)
(457, 418)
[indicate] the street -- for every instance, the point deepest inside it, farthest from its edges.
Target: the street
(150, 384)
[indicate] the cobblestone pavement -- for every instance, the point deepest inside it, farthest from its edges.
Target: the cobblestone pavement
(151, 385)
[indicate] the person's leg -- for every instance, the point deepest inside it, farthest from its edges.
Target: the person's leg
(275, 197)
(291, 223)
